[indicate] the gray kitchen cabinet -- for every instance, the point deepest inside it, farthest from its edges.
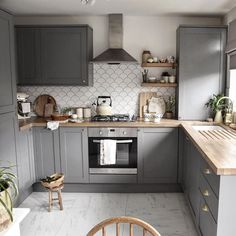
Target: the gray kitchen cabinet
(46, 152)
(56, 55)
(158, 155)
(201, 69)
(8, 140)
(74, 154)
(7, 64)
(191, 172)
(25, 163)
(28, 51)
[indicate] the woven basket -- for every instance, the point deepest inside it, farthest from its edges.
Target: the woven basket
(59, 180)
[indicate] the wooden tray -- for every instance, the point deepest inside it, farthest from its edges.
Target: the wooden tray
(40, 102)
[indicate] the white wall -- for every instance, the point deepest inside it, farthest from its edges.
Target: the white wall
(157, 34)
(230, 16)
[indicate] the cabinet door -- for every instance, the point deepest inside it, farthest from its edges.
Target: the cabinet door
(158, 155)
(74, 154)
(46, 147)
(64, 57)
(25, 163)
(7, 65)
(28, 56)
(192, 179)
(8, 140)
(201, 71)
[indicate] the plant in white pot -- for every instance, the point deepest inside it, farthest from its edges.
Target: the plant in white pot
(8, 193)
(216, 104)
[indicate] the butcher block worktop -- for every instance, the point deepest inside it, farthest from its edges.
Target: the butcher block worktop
(219, 153)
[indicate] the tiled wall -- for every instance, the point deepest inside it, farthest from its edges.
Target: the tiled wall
(121, 82)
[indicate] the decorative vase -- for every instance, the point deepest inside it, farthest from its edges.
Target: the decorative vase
(218, 117)
(5, 219)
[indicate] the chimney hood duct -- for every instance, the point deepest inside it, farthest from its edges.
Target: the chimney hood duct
(115, 54)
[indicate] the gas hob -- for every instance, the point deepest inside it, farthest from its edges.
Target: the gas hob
(112, 118)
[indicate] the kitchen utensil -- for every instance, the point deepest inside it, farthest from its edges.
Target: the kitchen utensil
(156, 105)
(147, 117)
(145, 74)
(143, 99)
(104, 106)
(48, 108)
(157, 117)
(40, 102)
(152, 79)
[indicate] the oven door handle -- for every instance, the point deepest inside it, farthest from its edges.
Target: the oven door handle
(117, 141)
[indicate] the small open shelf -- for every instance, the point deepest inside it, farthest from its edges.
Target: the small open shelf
(172, 65)
(159, 85)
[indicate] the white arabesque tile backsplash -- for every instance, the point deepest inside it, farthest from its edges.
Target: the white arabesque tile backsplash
(121, 82)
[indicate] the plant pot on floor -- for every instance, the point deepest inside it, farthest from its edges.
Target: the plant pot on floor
(5, 218)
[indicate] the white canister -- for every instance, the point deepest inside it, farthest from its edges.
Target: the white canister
(87, 112)
(79, 112)
(172, 79)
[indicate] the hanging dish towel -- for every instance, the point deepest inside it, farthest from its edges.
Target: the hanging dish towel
(108, 152)
(52, 125)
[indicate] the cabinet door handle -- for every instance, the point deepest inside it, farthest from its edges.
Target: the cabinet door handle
(206, 193)
(207, 171)
(205, 208)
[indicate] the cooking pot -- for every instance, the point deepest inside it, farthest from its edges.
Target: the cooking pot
(104, 106)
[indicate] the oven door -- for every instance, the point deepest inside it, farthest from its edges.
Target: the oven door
(126, 156)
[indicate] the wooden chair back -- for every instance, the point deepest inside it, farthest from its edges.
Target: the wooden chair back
(147, 228)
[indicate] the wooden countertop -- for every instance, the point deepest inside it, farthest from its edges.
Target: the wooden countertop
(219, 154)
(41, 122)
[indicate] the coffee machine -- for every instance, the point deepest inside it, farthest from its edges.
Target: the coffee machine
(24, 107)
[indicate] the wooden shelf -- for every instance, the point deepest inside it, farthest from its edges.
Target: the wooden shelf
(172, 65)
(159, 85)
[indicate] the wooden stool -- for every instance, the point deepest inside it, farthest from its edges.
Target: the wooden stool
(51, 199)
(54, 183)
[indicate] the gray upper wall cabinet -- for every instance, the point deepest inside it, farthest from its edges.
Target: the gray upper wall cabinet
(57, 55)
(201, 70)
(7, 64)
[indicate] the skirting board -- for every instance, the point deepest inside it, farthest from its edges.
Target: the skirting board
(116, 188)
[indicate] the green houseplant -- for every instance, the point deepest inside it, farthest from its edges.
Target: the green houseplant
(216, 104)
(8, 193)
(170, 105)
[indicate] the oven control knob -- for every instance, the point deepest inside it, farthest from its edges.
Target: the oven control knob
(124, 132)
(100, 132)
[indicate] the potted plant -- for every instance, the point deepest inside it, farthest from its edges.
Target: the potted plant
(216, 104)
(170, 105)
(8, 193)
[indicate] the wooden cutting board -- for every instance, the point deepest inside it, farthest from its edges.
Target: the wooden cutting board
(44, 105)
(143, 97)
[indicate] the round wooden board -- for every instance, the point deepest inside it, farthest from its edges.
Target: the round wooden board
(41, 101)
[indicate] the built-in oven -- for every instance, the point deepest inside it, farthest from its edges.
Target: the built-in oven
(126, 150)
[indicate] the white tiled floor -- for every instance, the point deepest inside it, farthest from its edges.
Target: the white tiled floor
(167, 212)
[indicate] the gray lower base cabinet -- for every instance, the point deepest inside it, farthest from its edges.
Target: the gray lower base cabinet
(74, 154)
(25, 163)
(158, 155)
(46, 151)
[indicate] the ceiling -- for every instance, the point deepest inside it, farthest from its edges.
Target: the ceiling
(127, 7)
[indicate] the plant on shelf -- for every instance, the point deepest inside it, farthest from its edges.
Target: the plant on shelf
(170, 105)
(8, 193)
(216, 105)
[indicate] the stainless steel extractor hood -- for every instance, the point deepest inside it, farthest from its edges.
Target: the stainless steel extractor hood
(115, 54)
